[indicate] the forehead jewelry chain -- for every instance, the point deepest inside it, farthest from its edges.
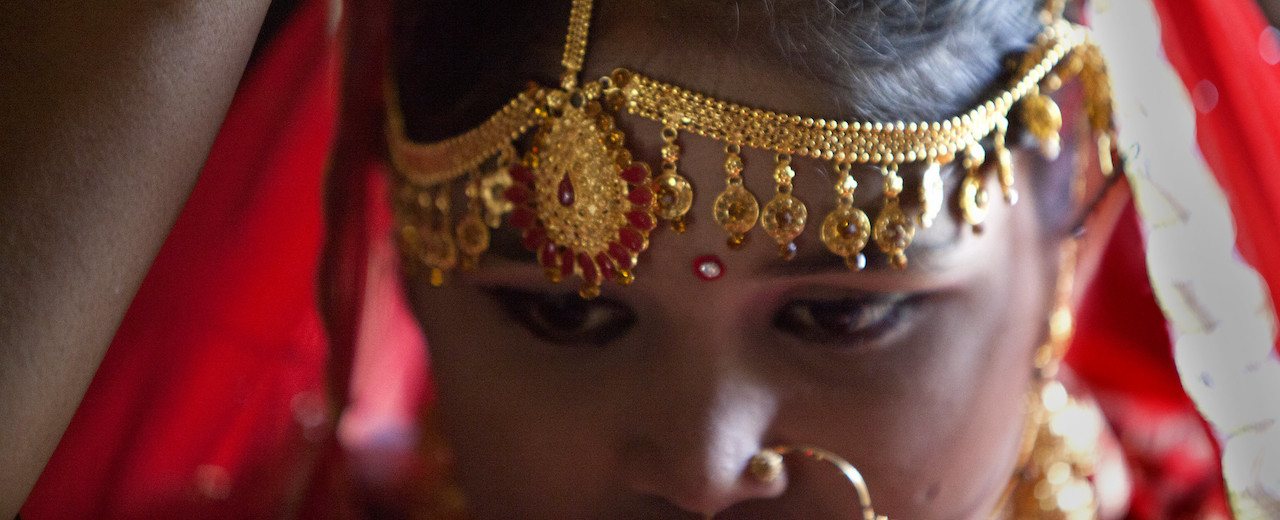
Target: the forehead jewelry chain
(585, 208)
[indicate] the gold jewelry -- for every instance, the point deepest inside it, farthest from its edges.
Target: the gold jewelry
(766, 466)
(784, 216)
(846, 229)
(736, 209)
(586, 208)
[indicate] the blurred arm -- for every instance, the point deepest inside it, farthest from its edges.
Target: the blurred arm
(107, 111)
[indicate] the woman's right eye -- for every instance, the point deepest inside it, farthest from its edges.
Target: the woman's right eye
(566, 318)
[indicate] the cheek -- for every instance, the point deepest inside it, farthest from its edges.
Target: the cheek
(935, 426)
(530, 446)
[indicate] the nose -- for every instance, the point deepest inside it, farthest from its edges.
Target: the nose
(695, 433)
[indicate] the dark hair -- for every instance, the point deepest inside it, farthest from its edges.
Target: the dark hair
(907, 59)
(458, 61)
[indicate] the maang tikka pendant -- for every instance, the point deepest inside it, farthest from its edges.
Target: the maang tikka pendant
(584, 207)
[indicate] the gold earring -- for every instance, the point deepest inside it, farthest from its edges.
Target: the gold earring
(1058, 461)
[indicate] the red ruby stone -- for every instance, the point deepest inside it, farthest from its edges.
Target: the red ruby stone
(566, 263)
(641, 220)
(521, 174)
(534, 237)
(588, 268)
(631, 238)
(606, 267)
(635, 174)
(517, 194)
(620, 255)
(640, 196)
(565, 191)
(523, 217)
(548, 255)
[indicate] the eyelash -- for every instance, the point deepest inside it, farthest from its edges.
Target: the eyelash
(581, 322)
(566, 319)
(846, 322)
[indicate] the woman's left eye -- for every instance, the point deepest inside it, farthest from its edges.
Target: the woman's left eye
(565, 318)
(841, 322)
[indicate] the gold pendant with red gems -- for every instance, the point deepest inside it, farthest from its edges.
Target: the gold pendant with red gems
(585, 208)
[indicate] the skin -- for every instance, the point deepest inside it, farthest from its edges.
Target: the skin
(109, 114)
(661, 418)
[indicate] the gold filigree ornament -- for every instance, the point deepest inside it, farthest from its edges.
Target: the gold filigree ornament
(586, 209)
(736, 209)
(846, 229)
(785, 216)
(894, 230)
(673, 194)
(975, 201)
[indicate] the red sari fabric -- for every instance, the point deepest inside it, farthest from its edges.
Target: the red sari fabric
(1229, 58)
(1226, 55)
(210, 402)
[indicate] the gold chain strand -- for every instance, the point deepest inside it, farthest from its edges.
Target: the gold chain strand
(899, 142)
(575, 44)
(430, 164)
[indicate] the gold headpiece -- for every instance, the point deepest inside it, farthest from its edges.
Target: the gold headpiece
(586, 207)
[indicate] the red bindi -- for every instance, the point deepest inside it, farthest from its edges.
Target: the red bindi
(708, 267)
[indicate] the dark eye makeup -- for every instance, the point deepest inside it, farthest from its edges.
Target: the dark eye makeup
(564, 318)
(845, 322)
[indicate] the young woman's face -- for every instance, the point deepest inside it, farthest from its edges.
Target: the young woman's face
(649, 401)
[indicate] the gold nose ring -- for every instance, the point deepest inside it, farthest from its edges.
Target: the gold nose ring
(766, 466)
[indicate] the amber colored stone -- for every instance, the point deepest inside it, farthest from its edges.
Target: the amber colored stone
(588, 267)
(520, 173)
(589, 292)
(898, 261)
(566, 263)
(517, 194)
(523, 217)
(631, 239)
(564, 192)
(635, 174)
(736, 241)
(534, 237)
(641, 220)
(679, 225)
(739, 209)
(625, 277)
(606, 267)
(787, 251)
(620, 255)
(640, 196)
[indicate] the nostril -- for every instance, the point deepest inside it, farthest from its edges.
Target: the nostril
(704, 487)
